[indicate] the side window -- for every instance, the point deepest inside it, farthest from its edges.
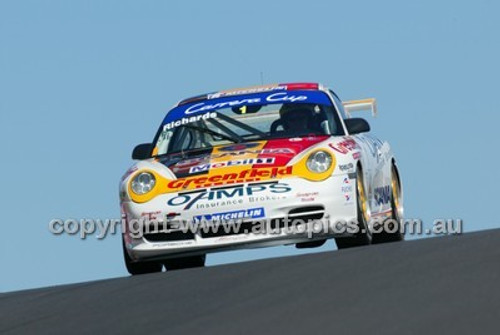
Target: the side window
(187, 140)
(181, 140)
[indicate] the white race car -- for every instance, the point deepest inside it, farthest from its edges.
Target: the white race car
(255, 167)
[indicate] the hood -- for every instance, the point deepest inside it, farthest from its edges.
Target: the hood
(258, 161)
(263, 155)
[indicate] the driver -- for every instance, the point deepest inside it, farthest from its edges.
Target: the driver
(297, 118)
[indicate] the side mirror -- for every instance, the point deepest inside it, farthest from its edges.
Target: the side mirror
(357, 125)
(142, 151)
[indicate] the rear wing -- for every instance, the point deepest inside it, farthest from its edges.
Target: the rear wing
(360, 105)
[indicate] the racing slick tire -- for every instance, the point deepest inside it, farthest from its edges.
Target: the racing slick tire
(389, 234)
(310, 244)
(139, 268)
(363, 235)
(185, 262)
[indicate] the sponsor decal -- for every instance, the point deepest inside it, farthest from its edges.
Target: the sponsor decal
(344, 167)
(221, 197)
(151, 215)
(266, 198)
(232, 238)
(197, 160)
(281, 97)
(260, 98)
(382, 195)
(238, 162)
(222, 203)
(203, 106)
(285, 97)
(172, 244)
(346, 189)
(258, 89)
(243, 176)
(345, 146)
(252, 213)
(186, 120)
(307, 196)
(356, 155)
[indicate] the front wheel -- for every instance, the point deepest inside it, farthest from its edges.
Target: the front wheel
(185, 262)
(363, 235)
(310, 244)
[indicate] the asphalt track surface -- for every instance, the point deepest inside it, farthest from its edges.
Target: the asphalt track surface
(445, 285)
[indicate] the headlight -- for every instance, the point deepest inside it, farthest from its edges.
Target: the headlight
(319, 162)
(143, 183)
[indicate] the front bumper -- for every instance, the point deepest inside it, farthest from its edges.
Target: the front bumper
(331, 201)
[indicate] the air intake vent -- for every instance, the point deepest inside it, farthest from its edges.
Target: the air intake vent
(307, 213)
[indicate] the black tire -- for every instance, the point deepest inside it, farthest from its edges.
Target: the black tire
(139, 268)
(310, 244)
(396, 214)
(185, 262)
(363, 235)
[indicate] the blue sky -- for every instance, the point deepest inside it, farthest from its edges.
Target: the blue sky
(82, 82)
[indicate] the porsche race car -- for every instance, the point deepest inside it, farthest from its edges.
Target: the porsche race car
(256, 167)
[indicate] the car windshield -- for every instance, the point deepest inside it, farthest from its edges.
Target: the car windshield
(242, 119)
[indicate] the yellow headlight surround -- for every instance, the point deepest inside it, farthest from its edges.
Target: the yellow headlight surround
(161, 184)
